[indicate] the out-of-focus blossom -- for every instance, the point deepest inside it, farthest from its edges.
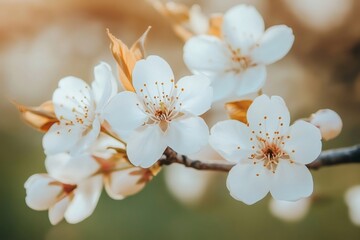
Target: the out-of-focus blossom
(237, 63)
(269, 154)
(41, 118)
(321, 15)
(127, 57)
(188, 22)
(79, 110)
(329, 123)
(352, 199)
(160, 113)
(290, 211)
(187, 185)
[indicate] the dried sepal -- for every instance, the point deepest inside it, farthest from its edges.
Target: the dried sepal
(126, 58)
(215, 23)
(237, 110)
(41, 118)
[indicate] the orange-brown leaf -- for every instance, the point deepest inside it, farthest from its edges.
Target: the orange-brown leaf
(215, 23)
(126, 58)
(237, 110)
(41, 117)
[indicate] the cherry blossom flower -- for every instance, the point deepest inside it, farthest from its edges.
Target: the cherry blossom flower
(237, 62)
(329, 123)
(79, 109)
(73, 185)
(160, 113)
(269, 154)
(67, 199)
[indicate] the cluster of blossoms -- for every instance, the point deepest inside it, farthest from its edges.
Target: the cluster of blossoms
(96, 136)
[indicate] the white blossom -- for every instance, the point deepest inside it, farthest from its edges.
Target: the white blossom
(237, 62)
(73, 201)
(329, 123)
(352, 199)
(269, 154)
(160, 113)
(79, 110)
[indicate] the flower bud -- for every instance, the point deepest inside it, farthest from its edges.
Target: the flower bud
(329, 123)
(352, 199)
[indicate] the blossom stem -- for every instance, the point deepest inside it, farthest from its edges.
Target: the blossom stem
(327, 158)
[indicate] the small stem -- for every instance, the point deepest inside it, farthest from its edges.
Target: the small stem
(113, 135)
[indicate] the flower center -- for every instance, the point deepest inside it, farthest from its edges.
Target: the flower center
(160, 106)
(240, 62)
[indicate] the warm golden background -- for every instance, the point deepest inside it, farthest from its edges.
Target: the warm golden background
(44, 40)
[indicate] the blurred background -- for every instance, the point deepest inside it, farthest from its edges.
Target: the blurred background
(43, 41)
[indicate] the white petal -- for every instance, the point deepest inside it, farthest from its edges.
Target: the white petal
(248, 183)
(304, 144)
(61, 138)
(103, 85)
(288, 210)
(120, 184)
(242, 27)
(146, 145)
(40, 192)
(251, 80)
(88, 138)
(153, 77)
(198, 21)
(56, 212)
(207, 55)
(224, 85)
(70, 169)
(291, 181)
(231, 139)
(187, 135)
(72, 99)
(268, 115)
(195, 94)
(124, 112)
(86, 197)
(273, 45)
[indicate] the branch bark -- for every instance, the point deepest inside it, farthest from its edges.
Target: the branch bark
(327, 158)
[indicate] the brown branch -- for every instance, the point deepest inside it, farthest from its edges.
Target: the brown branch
(326, 158)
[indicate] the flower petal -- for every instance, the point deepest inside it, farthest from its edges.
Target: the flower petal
(153, 77)
(124, 113)
(194, 94)
(61, 138)
(146, 145)
(231, 139)
(304, 144)
(224, 85)
(86, 197)
(268, 115)
(120, 184)
(104, 85)
(273, 45)
(242, 27)
(57, 211)
(187, 135)
(207, 55)
(251, 80)
(72, 99)
(40, 193)
(291, 181)
(70, 169)
(88, 138)
(248, 183)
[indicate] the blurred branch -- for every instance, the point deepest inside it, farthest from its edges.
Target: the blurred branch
(326, 158)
